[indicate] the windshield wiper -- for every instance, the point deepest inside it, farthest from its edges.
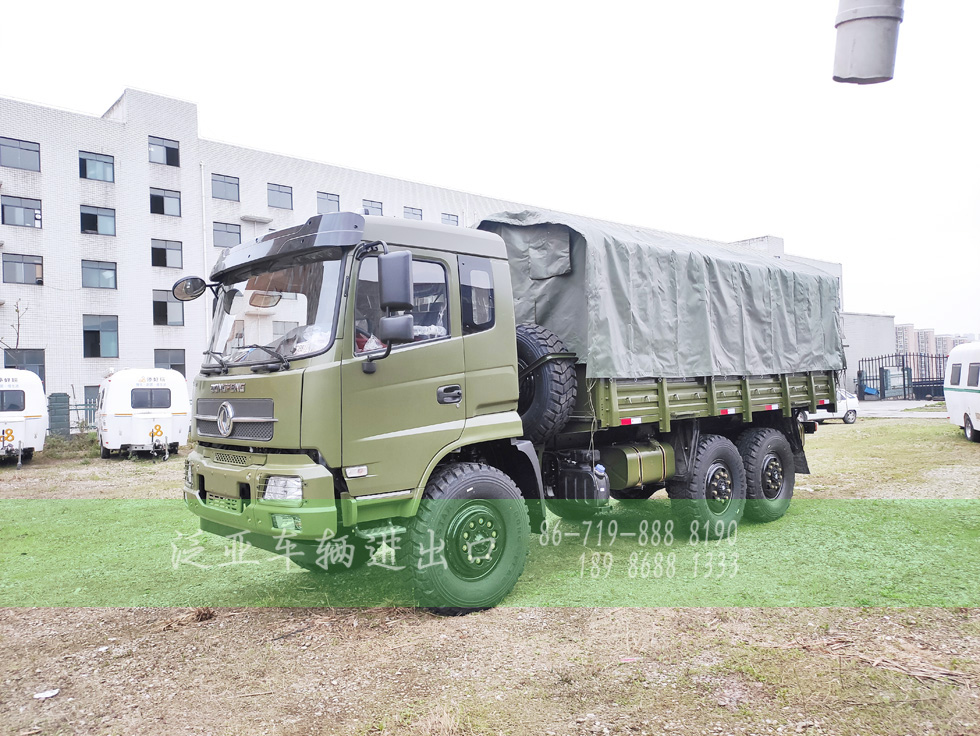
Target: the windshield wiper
(283, 364)
(222, 366)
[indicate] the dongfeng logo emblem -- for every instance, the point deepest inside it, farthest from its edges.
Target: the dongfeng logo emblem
(226, 419)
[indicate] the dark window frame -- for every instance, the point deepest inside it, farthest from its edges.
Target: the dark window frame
(326, 197)
(103, 158)
(467, 265)
(11, 154)
(20, 203)
(161, 317)
(10, 395)
(973, 378)
(37, 280)
(150, 398)
(372, 204)
(955, 373)
(214, 231)
(171, 151)
(279, 190)
(88, 347)
(157, 246)
(99, 266)
(225, 181)
(159, 198)
(98, 213)
(180, 367)
(18, 358)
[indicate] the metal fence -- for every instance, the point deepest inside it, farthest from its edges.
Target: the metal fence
(901, 376)
(65, 418)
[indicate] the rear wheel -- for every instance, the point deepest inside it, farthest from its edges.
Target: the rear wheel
(468, 543)
(850, 416)
(770, 473)
(711, 501)
(968, 431)
(103, 452)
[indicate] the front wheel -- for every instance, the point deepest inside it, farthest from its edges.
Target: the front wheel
(710, 502)
(850, 416)
(469, 540)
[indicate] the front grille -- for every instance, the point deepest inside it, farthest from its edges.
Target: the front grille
(231, 459)
(225, 504)
(243, 409)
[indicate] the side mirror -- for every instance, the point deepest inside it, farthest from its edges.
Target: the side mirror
(395, 281)
(190, 288)
(397, 329)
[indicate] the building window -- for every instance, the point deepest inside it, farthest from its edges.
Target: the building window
(167, 309)
(98, 220)
(371, 207)
(413, 213)
(164, 202)
(18, 269)
(167, 253)
(99, 274)
(163, 151)
(280, 196)
(448, 219)
(172, 359)
(224, 187)
(327, 203)
(25, 360)
(281, 329)
(100, 336)
(96, 166)
(20, 154)
(227, 235)
(21, 211)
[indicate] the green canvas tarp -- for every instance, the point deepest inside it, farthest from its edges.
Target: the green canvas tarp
(638, 303)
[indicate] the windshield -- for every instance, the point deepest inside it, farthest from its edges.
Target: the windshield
(275, 315)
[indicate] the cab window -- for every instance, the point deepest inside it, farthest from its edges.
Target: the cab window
(11, 401)
(476, 294)
(430, 307)
(150, 398)
(954, 374)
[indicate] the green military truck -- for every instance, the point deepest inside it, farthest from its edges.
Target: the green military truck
(440, 388)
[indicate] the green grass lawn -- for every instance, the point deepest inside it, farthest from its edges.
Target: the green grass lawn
(824, 552)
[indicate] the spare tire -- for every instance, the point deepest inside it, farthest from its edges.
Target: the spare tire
(547, 394)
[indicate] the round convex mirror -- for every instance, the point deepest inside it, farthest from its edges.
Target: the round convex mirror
(189, 288)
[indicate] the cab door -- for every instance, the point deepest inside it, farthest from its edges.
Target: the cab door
(398, 418)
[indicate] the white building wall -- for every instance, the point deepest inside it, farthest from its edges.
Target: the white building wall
(52, 312)
(865, 336)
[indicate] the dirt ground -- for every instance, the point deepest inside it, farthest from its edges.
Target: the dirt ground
(505, 671)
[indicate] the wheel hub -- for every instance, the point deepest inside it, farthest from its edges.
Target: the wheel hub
(475, 540)
(718, 487)
(772, 476)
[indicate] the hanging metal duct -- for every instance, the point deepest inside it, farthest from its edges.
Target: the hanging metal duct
(867, 39)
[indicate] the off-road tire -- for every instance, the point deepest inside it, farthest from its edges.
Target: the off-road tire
(547, 396)
(770, 473)
(850, 416)
(716, 460)
(465, 499)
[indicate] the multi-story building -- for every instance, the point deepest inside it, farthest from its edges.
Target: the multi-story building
(945, 343)
(101, 215)
(905, 338)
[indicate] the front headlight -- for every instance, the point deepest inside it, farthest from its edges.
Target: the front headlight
(283, 488)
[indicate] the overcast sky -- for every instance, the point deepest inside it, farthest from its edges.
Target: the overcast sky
(710, 118)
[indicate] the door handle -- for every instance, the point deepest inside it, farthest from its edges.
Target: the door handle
(449, 394)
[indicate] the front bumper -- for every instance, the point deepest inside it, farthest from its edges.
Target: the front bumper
(226, 488)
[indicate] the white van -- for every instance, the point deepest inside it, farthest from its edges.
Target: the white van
(23, 414)
(962, 388)
(143, 410)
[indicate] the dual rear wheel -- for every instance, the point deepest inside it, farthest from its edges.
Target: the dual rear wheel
(754, 478)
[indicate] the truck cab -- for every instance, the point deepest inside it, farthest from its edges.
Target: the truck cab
(312, 421)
